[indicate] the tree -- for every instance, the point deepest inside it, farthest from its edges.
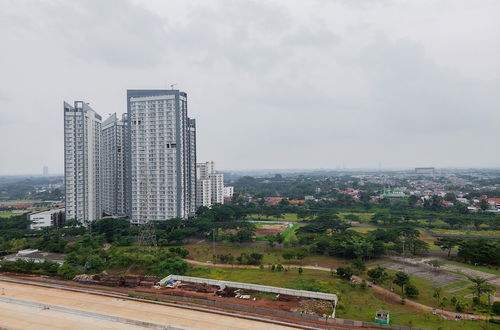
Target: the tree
(447, 243)
(170, 266)
(352, 218)
(496, 307)
(358, 265)
(301, 270)
(401, 279)
(378, 274)
(411, 290)
(483, 204)
(344, 272)
(480, 287)
(450, 197)
(438, 292)
(489, 290)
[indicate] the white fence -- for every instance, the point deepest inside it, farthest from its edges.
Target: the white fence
(254, 287)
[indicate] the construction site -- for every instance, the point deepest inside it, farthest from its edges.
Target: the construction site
(241, 296)
(137, 302)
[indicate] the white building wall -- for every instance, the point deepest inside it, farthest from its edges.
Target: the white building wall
(228, 192)
(210, 185)
(43, 219)
(82, 138)
(113, 166)
(161, 153)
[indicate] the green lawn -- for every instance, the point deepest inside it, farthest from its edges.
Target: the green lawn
(354, 303)
(466, 232)
(285, 217)
(362, 230)
(204, 251)
(8, 215)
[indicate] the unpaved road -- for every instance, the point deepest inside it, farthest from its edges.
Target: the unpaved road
(24, 312)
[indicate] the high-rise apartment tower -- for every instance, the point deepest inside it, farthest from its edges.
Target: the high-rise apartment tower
(161, 161)
(210, 185)
(113, 165)
(82, 139)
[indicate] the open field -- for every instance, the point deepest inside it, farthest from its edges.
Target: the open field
(429, 239)
(285, 217)
(354, 303)
(466, 232)
(363, 217)
(362, 230)
(8, 215)
(264, 230)
(108, 306)
(204, 252)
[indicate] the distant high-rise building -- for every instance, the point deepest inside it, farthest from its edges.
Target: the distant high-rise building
(210, 185)
(191, 166)
(113, 164)
(228, 192)
(45, 171)
(162, 156)
(82, 139)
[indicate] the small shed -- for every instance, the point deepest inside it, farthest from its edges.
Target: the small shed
(382, 317)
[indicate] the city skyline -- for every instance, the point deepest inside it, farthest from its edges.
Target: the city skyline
(275, 85)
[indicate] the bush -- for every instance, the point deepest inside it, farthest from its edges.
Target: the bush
(495, 308)
(344, 272)
(170, 266)
(411, 290)
(181, 252)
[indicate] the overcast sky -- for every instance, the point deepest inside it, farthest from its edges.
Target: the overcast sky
(272, 84)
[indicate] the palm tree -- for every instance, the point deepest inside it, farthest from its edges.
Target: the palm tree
(480, 286)
(489, 290)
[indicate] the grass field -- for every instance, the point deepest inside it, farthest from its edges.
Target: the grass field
(8, 215)
(285, 217)
(429, 239)
(204, 251)
(467, 232)
(354, 303)
(363, 217)
(362, 230)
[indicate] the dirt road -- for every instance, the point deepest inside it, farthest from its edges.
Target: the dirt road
(31, 307)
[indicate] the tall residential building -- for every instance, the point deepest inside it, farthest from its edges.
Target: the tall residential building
(45, 171)
(113, 164)
(210, 185)
(191, 166)
(162, 157)
(82, 139)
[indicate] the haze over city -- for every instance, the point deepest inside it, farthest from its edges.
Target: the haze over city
(274, 84)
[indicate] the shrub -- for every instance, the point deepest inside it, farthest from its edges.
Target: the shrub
(411, 290)
(344, 272)
(495, 308)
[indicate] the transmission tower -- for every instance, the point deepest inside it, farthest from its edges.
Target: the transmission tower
(147, 235)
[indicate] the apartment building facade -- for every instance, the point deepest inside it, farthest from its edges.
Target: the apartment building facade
(113, 165)
(82, 160)
(210, 185)
(162, 156)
